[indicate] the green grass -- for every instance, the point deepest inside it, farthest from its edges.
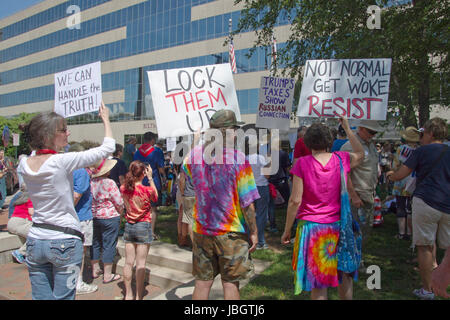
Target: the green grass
(398, 278)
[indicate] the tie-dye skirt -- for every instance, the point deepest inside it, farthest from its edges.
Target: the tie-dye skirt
(315, 260)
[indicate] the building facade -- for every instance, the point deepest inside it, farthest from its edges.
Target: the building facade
(129, 38)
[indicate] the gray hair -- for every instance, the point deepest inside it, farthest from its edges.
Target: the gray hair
(41, 130)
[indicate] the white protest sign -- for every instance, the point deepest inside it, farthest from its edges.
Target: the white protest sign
(171, 144)
(78, 90)
(276, 96)
(16, 139)
(354, 88)
(185, 99)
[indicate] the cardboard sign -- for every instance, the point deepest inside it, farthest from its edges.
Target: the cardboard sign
(275, 103)
(185, 99)
(354, 88)
(78, 90)
(16, 139)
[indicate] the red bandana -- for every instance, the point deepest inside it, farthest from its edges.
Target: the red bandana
(146, 149)
(46, 151)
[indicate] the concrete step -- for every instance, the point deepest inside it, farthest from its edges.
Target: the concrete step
(160, 276)
(165, 255)
(8, 243)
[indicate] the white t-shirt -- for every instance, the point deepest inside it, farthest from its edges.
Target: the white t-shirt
(257, 162)
(51, 188)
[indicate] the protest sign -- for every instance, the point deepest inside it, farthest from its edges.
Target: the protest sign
(171, 144)
(16, 139)
(354, 88)
(275, 103)
(185, 99)
(78, 90)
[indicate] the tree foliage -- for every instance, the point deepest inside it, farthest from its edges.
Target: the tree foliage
(13, 125)
(415, 35)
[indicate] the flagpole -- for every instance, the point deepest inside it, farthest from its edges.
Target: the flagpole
(232, 56)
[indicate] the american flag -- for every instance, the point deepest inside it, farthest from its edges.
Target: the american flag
(232, 57)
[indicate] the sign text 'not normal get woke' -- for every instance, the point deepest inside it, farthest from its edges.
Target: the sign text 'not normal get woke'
(353, 88)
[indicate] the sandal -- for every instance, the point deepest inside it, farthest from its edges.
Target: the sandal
(114, 277)
(96, 275)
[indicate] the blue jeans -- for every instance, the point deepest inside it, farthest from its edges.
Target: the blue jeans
(104, 240)
(262, 211)
(53, 267)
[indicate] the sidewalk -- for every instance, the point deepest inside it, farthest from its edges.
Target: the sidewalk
(15, 283)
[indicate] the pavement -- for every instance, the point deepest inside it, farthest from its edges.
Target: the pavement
(15, 283)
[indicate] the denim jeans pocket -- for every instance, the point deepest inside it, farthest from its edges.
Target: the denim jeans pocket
(31, 247)
(62, 252)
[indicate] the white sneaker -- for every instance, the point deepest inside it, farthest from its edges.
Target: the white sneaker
(423, 294)
(84, 288)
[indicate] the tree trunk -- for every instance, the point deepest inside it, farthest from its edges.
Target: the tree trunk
(424, 100)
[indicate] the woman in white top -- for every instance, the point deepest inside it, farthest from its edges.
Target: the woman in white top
(54, 243)
(258, 162)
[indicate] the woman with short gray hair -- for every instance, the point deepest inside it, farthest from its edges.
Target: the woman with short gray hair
(55, 242)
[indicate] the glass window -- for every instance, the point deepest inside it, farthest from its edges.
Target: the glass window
(218, 23)
(173, 17)
(159, 21)
(173, 35)
(202, 30)
(194, 31)
(210, 27)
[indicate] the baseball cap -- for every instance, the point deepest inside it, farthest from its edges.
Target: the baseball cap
(223, 119)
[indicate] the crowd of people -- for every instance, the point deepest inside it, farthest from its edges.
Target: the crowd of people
(72, 203)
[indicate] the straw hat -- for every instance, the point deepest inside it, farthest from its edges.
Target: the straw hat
(371, 125)
(102, 167)
(411, 134)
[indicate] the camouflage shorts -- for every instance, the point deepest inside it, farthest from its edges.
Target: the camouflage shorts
(225, 254)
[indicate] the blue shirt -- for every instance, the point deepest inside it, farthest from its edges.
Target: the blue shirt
(434, 188)
(82, 185)
(337, 144)
(156, 160)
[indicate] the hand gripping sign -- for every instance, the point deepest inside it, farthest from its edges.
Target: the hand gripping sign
(353, 88)
(185, 99)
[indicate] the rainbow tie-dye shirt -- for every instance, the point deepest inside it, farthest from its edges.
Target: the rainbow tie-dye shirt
(222, 189)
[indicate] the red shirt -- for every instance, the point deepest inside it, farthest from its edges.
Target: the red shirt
(139, 203)
(21, 210)
(300, 149)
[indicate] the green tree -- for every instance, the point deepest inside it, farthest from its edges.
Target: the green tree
(13, 125)
(415, 34)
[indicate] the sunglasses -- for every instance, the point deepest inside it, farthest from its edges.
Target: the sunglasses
(421, 135)
(63, 130)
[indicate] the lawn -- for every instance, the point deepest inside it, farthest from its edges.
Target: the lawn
(398, 278)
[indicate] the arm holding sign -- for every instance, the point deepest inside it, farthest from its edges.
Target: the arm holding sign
(103, 112)
(357, 154)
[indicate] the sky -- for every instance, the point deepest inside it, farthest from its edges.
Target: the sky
(8, 7)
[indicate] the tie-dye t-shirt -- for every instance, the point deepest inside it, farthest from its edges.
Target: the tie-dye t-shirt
(222, 189)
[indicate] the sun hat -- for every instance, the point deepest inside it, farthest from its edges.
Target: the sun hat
(131, 139)
(102, 167)
(371, 125)
(411, 134)
(224, 118)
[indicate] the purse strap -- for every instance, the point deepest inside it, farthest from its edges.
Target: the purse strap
(342, 172)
